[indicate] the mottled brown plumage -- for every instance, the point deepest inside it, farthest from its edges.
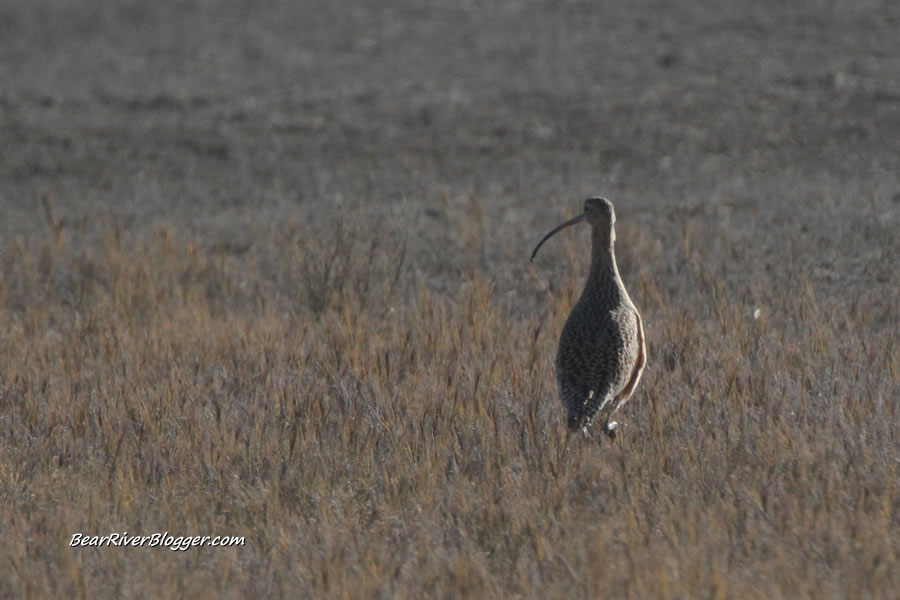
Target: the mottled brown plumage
(601, 350)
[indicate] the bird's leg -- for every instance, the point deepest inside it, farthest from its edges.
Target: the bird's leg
(585, 432)
(563, 448)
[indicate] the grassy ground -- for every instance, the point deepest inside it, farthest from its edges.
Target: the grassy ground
(265, 275)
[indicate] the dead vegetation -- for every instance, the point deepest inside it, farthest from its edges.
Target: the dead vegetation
(371, 437)
(264, 273)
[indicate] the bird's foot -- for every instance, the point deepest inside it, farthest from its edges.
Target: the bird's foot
(610, 429)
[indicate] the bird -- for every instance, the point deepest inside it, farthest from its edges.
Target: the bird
(602, 352)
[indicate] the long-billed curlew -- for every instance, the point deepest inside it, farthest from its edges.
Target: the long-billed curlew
(601, 350)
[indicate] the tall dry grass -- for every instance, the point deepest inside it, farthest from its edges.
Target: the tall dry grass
(373, 436)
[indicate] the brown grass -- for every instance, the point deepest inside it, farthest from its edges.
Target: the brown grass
(373, 436)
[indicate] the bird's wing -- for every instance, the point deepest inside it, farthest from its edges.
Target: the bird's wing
(639, 363)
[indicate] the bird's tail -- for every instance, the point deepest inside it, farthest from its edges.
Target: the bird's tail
(582, 415)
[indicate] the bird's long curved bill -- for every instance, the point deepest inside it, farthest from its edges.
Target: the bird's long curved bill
(568, 223)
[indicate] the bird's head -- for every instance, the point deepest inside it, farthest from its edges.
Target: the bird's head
(599, 214)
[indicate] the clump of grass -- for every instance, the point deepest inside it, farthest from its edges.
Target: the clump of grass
(370, 436)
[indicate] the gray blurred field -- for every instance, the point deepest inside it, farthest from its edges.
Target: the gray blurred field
(775, 123)
(259, 202)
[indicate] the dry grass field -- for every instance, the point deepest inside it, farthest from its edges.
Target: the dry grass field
(264, 273)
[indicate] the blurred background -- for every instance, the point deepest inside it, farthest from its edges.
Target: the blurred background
(264, 272)
(767, 123)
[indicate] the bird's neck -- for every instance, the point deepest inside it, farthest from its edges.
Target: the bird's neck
(603, 258)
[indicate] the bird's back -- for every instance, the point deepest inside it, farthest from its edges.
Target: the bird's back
(598, 350)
